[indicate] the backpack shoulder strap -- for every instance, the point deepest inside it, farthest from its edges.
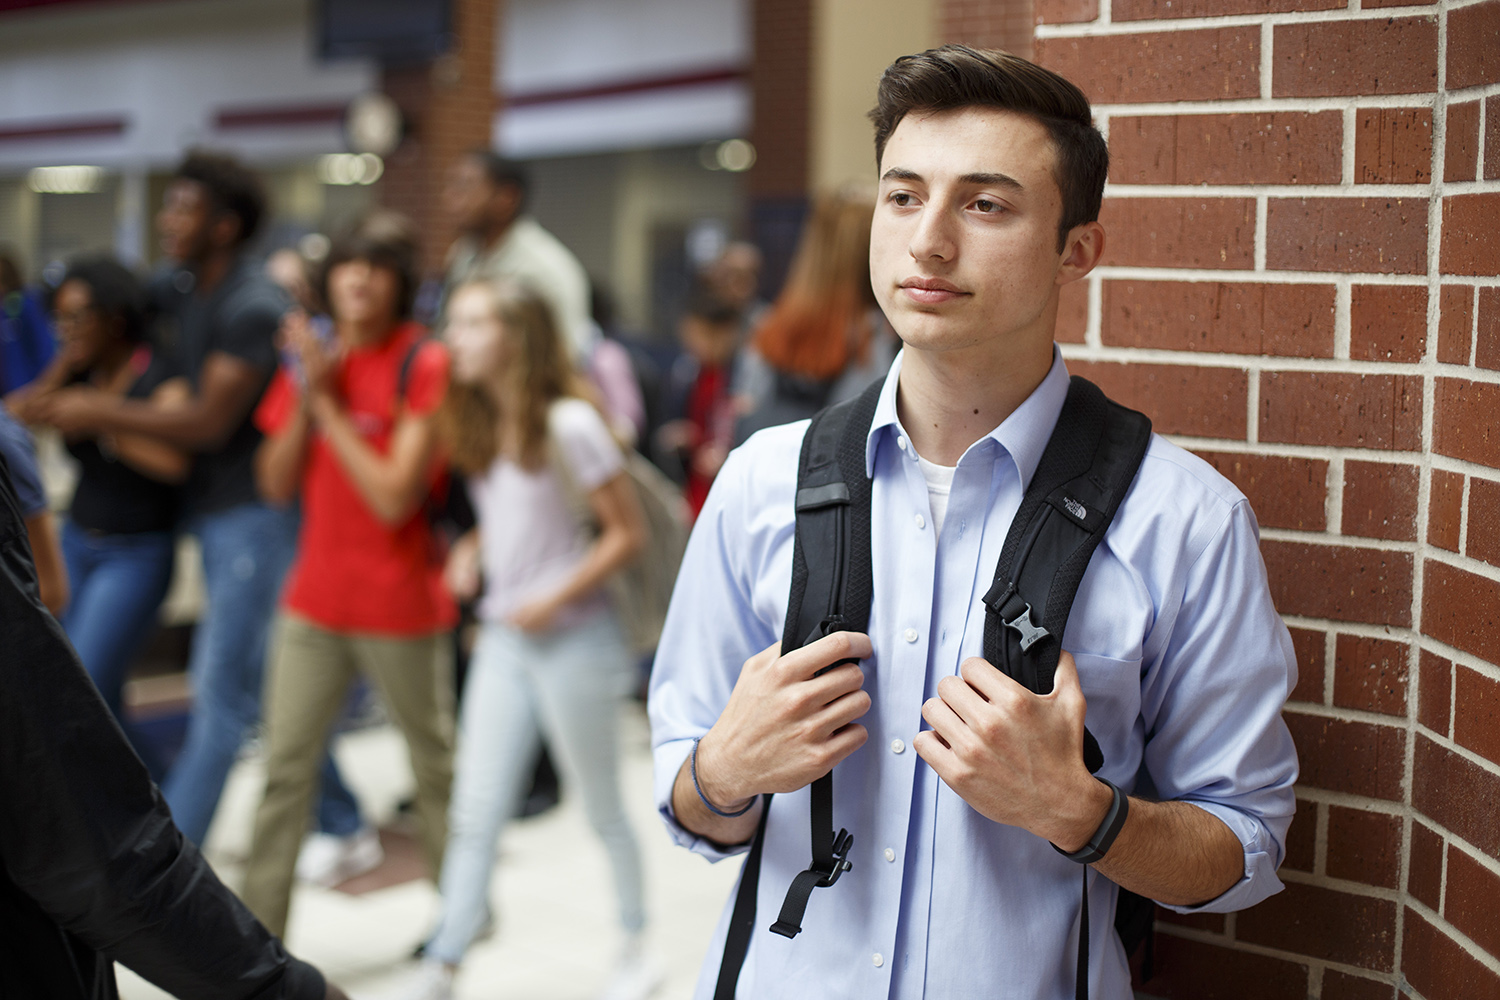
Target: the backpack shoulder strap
(832, 585)
(1087, 467)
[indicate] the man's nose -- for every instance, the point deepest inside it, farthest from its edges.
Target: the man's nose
(933, 238)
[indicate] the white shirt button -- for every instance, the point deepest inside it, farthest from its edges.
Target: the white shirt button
(890, 855)
(901, 442)
(921, 521)
(878, 959)
(897, 746)
(910, 635)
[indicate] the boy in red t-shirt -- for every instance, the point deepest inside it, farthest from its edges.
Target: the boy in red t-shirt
(349, 426)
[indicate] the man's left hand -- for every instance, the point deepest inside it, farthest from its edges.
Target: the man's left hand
(1015, 756)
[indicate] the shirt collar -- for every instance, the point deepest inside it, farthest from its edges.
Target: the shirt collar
(1023, 435)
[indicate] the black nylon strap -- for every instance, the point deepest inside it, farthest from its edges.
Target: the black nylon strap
(1085, 471)
(833, 542)
(742, 918)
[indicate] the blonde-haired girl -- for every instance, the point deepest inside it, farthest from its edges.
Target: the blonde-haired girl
(550, 661)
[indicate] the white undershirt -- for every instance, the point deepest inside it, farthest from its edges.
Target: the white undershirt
(939, 484)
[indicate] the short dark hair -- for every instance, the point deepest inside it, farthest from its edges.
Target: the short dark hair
(956, 76)
(504, 173)
(385, 239)
(231, 187)
(114, 293)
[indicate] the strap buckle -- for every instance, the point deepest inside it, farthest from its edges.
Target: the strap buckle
(840, 864)
(1015, 613)
(1030, 634)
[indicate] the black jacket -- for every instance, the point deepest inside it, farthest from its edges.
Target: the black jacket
(92, 870)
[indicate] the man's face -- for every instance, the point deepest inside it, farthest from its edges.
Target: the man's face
(475, 203)
(185, 220)
(963, 248)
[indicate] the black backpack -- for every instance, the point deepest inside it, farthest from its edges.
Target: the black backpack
(1088, 465)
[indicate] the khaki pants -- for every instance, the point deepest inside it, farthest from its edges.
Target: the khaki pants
(311, 670)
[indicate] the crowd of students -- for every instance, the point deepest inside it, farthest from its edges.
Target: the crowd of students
(353, 477)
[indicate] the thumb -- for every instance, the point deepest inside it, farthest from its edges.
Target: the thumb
(1065, 683)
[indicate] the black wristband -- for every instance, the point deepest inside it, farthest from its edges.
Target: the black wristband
(693, 767)
(1099, 843)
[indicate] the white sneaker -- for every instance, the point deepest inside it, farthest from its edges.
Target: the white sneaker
(327, 860)
(635, 976)
(430, 981)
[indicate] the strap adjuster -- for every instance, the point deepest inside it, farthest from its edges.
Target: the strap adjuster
(841, 864)
(1015, 613)
(1030, 634)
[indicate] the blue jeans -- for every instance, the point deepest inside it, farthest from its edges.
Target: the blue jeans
(118, 583)
(564, 687)
(246, 552)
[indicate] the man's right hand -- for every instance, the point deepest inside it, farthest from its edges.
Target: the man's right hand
(785, 726)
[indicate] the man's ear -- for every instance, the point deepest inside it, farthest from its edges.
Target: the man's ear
(1081, 252)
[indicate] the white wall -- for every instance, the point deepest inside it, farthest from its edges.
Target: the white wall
(168, 68)
(555, 45)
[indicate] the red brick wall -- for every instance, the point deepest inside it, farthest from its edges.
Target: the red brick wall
(1300, 285)
(449, 108)
(987, 24)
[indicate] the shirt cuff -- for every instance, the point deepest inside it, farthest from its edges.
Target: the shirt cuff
(668, 760)
(1258, 881)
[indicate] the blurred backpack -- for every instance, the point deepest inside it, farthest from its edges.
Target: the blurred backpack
(641, 590)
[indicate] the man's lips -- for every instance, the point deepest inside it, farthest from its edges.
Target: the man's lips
(931, 291)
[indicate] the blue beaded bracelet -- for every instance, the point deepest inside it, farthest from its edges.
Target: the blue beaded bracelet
(693, 767)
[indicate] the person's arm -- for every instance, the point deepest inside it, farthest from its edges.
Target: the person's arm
(393, 484)
(228, 387)
(86, 835)
(51, 571)
(149, 456)
(280, 458)
(1016, 758)
(783, 728)
(622, 535)
(22, 400)
(1218, 672)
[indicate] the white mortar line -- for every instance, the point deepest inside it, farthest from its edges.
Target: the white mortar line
(1463, 516)
(1262, 211)
(1341, 190)
(1252, 406)
(1093, 334)
(1335, 496)
(1343, 322)
(1330, 653)
(1177, 25)
(1267, 62)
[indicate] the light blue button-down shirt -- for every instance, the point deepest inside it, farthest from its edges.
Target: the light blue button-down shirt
(1183, 660)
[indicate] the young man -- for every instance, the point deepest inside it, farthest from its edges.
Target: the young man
(486, 194)
(219, 313)
(955, 781)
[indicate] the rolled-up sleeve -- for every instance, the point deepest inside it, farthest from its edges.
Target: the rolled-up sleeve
(712, 628)
(1212, 704)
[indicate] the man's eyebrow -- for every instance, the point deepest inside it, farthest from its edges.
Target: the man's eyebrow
(993, 180)
(973, 180)
(900, 174)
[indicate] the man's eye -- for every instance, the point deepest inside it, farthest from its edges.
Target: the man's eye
(986, 206)
(901, 199)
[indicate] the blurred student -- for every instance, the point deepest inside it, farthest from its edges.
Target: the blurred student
(699, 409)
(219, 314)
(351, 429)
(825, 339)
(41, 532)
(27, 345)
(92, 871)
(486, 195)
(119, 539)
(734, 277)
(551, 660)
